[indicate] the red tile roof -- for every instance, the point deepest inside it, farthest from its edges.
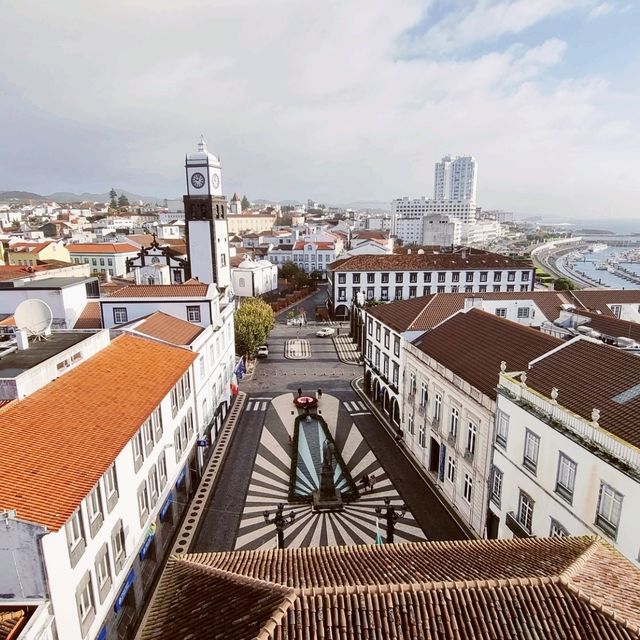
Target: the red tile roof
(473, 344)
(426, 261)
(11, 623)
(80, 423)
(425, 312)
(30, 247)
(100, 247)
(15, 272)
(169, 328)
(599, 300)
(90, 318)
(611, 326)
(591, 375)
(162, 291)
(520, 588)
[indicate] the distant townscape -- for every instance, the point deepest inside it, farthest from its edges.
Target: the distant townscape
(226, 418)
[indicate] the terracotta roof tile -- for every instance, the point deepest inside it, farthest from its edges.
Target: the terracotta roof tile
(162, 291)
(426, 312)
(592, 375)
(102, 247)
(81, 422)
(473, 344)
(600, 299)
(90, 318)
(169, 328)
(11, 622)
(427, 261)
(526, 588)
(611, 326)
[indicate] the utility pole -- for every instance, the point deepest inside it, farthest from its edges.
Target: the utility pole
(280, 521)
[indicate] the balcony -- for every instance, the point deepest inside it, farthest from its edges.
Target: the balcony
(516, 527)
(451, 439)
(468, 455)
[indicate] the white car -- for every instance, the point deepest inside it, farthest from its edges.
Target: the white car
(325, 332)
(295, 322)
(263, 351)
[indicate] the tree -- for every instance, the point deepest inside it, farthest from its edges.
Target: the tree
(316, 275)
(123, 201)
(563, 284)
(113, 203)
(253, 322)
(245, 203)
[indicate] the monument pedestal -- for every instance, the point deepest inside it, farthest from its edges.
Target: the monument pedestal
(327, 501)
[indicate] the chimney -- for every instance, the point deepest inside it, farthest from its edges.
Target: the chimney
(408, 251)
(22, 340)
(107, 277)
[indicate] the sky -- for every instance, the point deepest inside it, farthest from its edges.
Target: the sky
(337, 100)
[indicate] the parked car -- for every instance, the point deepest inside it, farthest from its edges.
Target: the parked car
(325, 332)
(263, 351)
(298, 321)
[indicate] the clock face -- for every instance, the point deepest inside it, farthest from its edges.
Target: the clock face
(197, 180)
(215, 180)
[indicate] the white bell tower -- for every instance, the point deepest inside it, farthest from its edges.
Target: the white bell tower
(205, 213)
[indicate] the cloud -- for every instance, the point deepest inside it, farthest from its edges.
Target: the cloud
(601, 9)
(304, 100)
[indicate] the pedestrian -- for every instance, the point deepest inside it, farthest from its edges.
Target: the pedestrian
(372, 481)
(365, 482)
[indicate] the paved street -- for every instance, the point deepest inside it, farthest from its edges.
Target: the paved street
(227, 518)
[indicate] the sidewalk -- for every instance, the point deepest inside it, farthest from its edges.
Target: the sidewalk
(443, 505)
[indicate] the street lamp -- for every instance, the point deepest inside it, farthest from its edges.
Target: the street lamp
(391, 516)
(280, 521)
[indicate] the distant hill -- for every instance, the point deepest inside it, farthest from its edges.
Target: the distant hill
(64, 197)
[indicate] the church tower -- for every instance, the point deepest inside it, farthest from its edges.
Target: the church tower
(205, 214)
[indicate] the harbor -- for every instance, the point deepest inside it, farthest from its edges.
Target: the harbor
(603, 265)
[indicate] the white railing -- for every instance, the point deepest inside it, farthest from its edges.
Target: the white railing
(588, 431)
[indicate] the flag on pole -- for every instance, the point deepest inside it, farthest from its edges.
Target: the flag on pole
(234, 385)
(378, 534)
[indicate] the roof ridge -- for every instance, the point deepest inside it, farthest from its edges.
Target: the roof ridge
(566, 579)
(424, 309)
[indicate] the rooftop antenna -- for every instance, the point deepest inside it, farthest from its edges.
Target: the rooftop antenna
(34, 317)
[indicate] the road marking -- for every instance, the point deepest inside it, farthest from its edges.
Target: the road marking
(349, 407)
(362, 413)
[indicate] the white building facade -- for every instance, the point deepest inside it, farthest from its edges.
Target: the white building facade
(455, 178)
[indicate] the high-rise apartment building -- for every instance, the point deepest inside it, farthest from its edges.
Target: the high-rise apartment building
(455, 178)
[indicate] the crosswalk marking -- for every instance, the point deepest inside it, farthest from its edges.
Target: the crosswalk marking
(355, 405)
(257, 406)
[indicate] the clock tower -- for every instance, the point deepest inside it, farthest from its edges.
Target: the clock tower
(205, 214)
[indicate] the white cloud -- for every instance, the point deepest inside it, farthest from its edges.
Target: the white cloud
(601, 9)
(301, 100)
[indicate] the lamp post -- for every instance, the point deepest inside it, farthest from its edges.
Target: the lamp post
(280, 521)
(391, 516)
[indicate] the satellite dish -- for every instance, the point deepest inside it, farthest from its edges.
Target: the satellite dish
(34, 317)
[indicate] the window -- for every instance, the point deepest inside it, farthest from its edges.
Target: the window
(110, 262)
(398, 295)
(371, 278)
(384, 293)
(455, 289)
(385, 278)
(421, 434)
(154, 486)
(385, 365)
(472, 432)
(193, 314)
(147, 432)
(117, 544)
(94, 510)
(413, 292)
(531, 449)
(396, 345)
(523, 312)
(410, 427)
(84, 602)
(483, 276)
(177, 443)
(482, 288)
(469, 276)
(75, 537)
(426, 291)
(525, 511)
(497, 276)
(174, 401)
(395, 374)
(453, 422)
(437, 408)
(566, 478)
(557, 530)
(496, 288)
(451, 469)
(370, 326)
(441, 289)
(223, 260)
(455, 276)
(616, 309)
(413, 277)
(156, 420)
(427, 276)
(120, 315)
(342, 278)
(412, 384)
(387, 335)
(342, 294)
(442, 276)
(496, 486)
(524, 276)
(399, 277)
(111, 486)
(467, 487)
(511, 276)
(424, 394)
(356, 278)
(143, 503)
(136, 444)
(162, 470)
(103, 572)
(102, 262)
(609, 508)
(502, 428)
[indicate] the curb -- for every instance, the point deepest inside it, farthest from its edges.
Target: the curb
(409, 457)
(339, 354)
